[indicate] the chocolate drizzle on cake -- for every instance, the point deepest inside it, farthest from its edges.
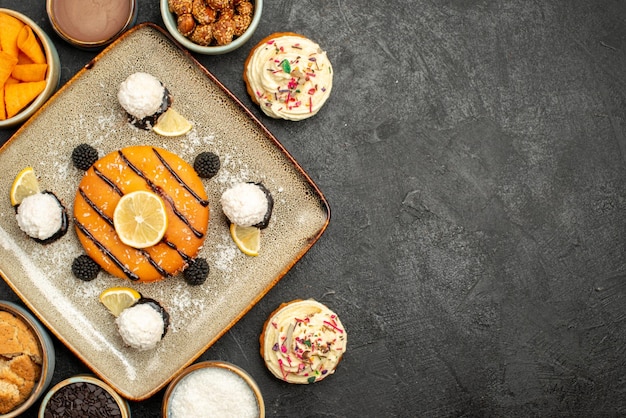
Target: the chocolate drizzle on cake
(175, 248)
(154, 264)
(92, 198)
(158, 190)
(108, 181)
(106, 251)
(174, 174)
(109, 221)
(95, 207)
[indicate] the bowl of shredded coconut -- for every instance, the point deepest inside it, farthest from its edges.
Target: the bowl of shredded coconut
(213, 388)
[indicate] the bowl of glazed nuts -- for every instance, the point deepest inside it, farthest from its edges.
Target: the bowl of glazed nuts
(211, 27)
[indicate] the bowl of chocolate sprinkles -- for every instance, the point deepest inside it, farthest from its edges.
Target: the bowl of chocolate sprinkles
(83, 396)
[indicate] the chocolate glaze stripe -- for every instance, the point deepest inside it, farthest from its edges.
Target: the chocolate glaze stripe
(106, 251)
(182, 254)
(182, 217)
(161, 193)
(95, 207)
(109, 221)
(108, 181)
(154, 264)
(174, 174)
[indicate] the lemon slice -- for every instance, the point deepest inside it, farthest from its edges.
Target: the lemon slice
(140, 219)
(25, 184)
(247, 238)
(116, 299)
(171, 123)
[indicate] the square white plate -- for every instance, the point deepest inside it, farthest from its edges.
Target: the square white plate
(86, 110)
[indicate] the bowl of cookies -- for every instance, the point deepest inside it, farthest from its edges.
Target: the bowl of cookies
(30, 69)
(27, 360)
(211, 27)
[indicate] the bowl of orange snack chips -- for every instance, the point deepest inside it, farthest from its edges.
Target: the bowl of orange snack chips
(29, 68)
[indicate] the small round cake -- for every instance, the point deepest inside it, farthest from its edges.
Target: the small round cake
(143, 325)
(303, 341)
(141, 168)
(42, 217)
(144, 98)
(248, 204)
(289, 76)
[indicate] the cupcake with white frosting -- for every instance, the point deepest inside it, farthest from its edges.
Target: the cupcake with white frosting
(289, 76)
(303, 341)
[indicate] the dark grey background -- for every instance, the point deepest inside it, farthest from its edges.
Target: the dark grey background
(474, 157)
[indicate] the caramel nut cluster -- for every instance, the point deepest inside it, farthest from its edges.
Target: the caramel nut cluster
(212, 22)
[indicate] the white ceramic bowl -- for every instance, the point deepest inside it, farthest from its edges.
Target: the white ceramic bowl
(240, 379)
(48, 356)
(52, 78)
(169, 19)
(70, 384)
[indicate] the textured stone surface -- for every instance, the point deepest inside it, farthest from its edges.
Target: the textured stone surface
(474, 157)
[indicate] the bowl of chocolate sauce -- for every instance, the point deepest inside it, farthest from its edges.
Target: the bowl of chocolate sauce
(91, 24)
